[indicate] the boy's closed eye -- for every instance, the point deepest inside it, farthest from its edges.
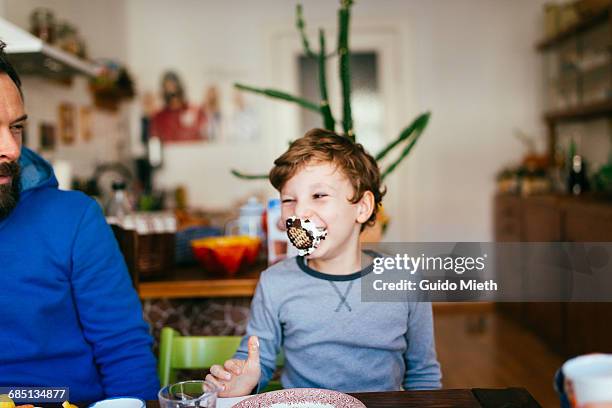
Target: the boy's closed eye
(314, 196)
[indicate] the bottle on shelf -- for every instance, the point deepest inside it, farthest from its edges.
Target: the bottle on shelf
(577, 180)
(557, 171)
(118, 207)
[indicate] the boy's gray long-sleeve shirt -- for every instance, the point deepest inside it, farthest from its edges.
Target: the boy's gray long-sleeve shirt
(333, 340)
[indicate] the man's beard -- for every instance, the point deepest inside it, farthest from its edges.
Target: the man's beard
(9, 192)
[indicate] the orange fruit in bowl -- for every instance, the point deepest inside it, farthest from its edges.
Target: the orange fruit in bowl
(227, 254)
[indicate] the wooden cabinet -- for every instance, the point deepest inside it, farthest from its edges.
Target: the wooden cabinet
(569, 328)
(588, 324)
(578, 86)
(507, 224)
(541, 222)
(588, 328)
(507, 218)
(588, 222)
(541, 219)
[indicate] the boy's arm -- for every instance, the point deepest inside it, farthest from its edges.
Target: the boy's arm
(263, 323)
(110, 312)
(422, 367)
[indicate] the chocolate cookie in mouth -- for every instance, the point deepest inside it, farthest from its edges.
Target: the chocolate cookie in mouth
(304, 234)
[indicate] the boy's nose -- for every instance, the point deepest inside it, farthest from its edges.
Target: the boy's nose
(302, 211)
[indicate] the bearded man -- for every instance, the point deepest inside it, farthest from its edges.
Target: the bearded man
(69, 316)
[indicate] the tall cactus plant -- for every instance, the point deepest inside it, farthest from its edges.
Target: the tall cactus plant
(407, 137)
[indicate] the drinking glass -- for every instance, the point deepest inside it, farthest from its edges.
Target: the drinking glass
(189, 394)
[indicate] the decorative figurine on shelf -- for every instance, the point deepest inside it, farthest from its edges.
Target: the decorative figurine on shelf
(66, 38)
(177, 121)
(111, 86)
(42, 24)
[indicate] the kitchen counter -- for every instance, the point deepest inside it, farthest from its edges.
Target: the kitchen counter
(196, 282)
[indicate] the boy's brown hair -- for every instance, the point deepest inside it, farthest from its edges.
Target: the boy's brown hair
(324, 146)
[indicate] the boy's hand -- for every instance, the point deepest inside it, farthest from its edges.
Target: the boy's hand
(237, 378)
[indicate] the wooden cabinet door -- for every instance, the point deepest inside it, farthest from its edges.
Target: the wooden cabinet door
(588, 324)
(542, 223)
(588, 328)
(507, 218)
(541, 219)
(588, 222)
(507, 228)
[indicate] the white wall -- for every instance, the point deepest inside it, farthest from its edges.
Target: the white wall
(102, 25)
(471, 62)
(476, 69)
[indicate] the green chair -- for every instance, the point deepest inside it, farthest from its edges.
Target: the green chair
(197, 352)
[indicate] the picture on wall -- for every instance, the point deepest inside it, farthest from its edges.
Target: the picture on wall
(233, 113)
(47, 136)
(243, 124)
(85, 123)
(177, 120)
(67, 125)
(223, 115)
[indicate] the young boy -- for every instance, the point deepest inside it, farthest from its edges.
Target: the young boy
(311, 306)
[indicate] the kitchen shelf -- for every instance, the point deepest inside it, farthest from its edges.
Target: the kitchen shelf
(583, 25)
(577, 65)
(32, 56)
(579, 113)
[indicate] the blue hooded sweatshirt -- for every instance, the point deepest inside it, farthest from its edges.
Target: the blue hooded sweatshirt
(69, 315)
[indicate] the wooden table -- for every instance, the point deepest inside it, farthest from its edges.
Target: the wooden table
(196, 282)
(460, 398)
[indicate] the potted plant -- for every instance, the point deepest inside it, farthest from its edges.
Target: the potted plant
(405, 140)
(111, 86)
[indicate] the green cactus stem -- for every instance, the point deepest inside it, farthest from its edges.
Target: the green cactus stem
(418, 125)
(415, 137)
(405, 153)
(249, 176)
(407, 138)
(328, 117)
(344, 67)
(280, 95)
(301, 26)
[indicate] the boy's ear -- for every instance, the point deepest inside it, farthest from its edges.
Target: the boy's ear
(365, 207)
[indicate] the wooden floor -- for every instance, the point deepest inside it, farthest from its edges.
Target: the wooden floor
(487, 350)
